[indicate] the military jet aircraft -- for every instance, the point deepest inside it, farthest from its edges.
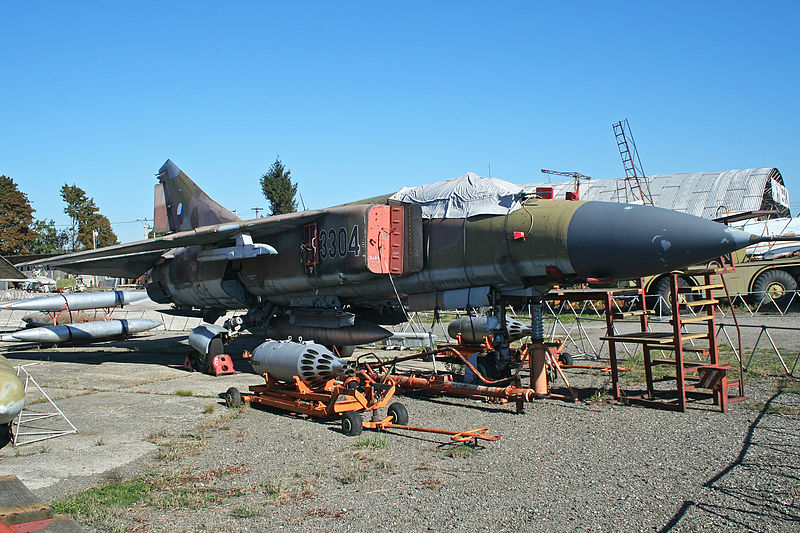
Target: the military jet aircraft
(40, 283)
(335, 275)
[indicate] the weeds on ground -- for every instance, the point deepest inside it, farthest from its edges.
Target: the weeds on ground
(191, 442)
(599, 396)
(192, 489)
(773, 409)
(790, 389)
(377, 442)
(460, 451)
(184, 392)
(431, 484)
(208, 409)
(247, 511)
(359, 465)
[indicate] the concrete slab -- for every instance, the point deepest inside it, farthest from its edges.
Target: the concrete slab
(119, 398)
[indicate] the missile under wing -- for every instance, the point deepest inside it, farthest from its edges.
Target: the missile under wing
(336, 273)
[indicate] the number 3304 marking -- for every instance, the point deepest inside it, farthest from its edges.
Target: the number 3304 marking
(336, 243)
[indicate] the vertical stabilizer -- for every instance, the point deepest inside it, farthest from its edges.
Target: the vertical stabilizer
(10, 272)
(187, 206)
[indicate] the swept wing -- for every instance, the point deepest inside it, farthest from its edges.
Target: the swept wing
(134, 259)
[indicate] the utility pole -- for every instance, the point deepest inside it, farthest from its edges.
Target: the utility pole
(256, 209)
(147, 227)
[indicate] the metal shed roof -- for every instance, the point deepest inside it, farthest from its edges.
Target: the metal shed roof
(703, 194)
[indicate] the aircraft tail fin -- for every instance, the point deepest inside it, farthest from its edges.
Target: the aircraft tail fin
(9, 272)
(181, 205)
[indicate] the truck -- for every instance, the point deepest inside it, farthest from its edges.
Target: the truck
(760, 279)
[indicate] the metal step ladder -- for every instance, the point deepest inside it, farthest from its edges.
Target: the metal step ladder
(702, 377)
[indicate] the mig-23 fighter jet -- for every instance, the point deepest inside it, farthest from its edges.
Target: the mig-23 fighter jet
(335, 275)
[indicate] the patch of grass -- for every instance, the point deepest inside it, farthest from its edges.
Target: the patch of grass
(247, 511)
(461, 451)
(273, 489)
(773, 409)
(353, 474)
(192, 497)
(184, 392)
(192, 489)
(790, 389)
(100, 442)
(92, 503)
(599, 396)
(377, 442)
(208, 409)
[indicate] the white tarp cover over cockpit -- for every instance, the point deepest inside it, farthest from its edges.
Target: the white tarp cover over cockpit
(463, 197)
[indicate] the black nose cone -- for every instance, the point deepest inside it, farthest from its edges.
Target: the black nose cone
(624, 241)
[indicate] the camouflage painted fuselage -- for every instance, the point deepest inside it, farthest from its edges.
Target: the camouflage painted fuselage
(350, 256)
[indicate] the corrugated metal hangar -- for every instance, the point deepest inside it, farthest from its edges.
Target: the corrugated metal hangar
(703, 194)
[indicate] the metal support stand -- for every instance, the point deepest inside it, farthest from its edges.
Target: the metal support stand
(23, 425)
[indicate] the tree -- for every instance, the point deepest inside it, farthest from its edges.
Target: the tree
(48, 240)
(16, 217)
(278, 188)
(86, 218)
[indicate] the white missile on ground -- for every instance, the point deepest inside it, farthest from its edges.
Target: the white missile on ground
(76, 301)
(87, 331)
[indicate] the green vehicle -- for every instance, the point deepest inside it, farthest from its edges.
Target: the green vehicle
(760, 281)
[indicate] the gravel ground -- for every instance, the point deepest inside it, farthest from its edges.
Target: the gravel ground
(559, 466)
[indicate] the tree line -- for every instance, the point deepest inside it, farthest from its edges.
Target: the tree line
(21, 234)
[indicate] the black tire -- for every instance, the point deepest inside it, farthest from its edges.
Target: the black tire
(399, 413)
(345, 351)
(6, 435)
(566, 359)
(662, 288)
(774, 285)
(233, 398)
(352, 424)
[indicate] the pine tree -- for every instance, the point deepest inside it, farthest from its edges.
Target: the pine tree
(16, 218)
(278, 189)
(48, 240)
(86, 217)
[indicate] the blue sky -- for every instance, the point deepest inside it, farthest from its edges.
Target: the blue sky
(362, 98)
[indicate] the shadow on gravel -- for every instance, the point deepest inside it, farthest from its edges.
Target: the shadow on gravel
(167, 351)
(761, 502)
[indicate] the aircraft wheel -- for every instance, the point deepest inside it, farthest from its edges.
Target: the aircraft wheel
(352, 424)
(566, 359)
(399, 413)
(233, 398)
(775, 285)
(346, 351)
